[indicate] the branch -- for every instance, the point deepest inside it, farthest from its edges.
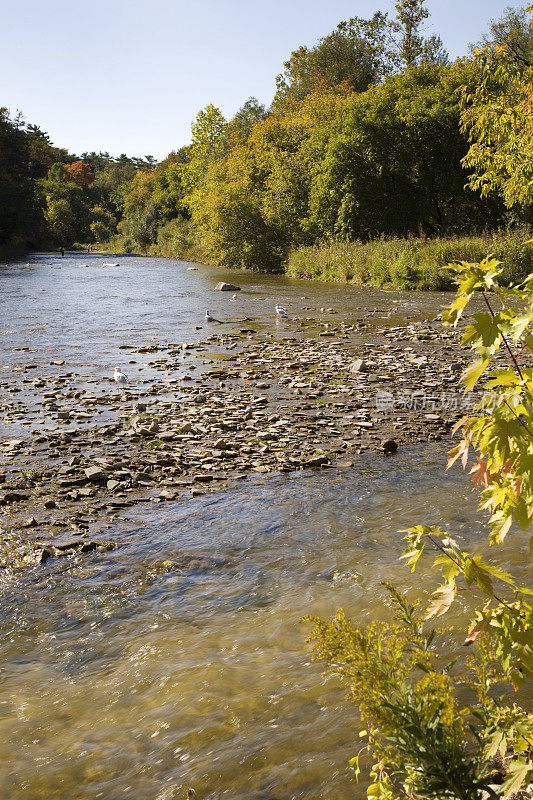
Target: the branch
(515, 362)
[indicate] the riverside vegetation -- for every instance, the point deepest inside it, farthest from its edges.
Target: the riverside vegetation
(441, 724)
(357, 171)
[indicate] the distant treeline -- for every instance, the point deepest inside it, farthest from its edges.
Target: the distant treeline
(362, 140)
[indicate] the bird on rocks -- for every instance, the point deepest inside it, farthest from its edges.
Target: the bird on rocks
(281, 311)
(120, 378)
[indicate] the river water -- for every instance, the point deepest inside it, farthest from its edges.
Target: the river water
(121, 680)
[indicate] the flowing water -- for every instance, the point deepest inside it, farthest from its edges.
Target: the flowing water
(123, 680)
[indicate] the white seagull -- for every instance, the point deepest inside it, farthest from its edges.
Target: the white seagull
(209, 318)
(281, 311)
(120, 378)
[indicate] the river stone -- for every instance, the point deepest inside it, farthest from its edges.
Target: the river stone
(358, 366)
(94, 474)
(389, 446)
(15, 497)
(317, 461)
(227, 287)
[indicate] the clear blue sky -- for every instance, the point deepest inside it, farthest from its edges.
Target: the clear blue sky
(130, 75)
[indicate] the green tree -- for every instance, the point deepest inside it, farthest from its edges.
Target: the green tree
(393, 167)
(63, 196)
(354, 53)
(512, 32)
(208, 143)
(25, 157)
(497, 117)
(240, 125)
(61, 221)
(103, 224)
(411, 46)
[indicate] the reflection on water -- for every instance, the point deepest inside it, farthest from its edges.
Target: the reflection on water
(178, 659)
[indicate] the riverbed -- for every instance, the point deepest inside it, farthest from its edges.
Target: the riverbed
(175, 657)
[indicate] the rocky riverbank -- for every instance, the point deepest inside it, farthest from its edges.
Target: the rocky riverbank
(237, 402)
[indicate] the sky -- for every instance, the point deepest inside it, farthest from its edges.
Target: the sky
(129, 76)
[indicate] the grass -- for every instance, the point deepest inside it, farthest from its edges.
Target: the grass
(412, 263)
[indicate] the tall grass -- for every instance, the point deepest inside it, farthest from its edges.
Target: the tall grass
(411, 263)
(175, 239)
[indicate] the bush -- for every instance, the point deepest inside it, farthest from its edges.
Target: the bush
(412, 263)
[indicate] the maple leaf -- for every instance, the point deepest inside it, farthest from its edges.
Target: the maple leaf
(476, 630)
(480, 473)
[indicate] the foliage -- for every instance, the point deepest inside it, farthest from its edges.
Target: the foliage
(79, 173)
(360, 53)
(393, 164)
(423, 740)
(411, 263)
(177, 239)
(513, 33)
(411, 46)
(355, 53)
(25, 157)
(103, 223)
(498, 116)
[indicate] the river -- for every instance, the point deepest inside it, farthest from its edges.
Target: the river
(119, 680)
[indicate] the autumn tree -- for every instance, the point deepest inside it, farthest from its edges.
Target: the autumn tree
(79, 173)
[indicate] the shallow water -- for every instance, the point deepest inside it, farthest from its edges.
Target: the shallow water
(123, 678)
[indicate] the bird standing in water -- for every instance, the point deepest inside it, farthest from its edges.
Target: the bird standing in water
(281, 311)
(120, 378)
(209, 318)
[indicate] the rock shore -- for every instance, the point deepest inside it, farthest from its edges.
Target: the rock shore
(225, 407)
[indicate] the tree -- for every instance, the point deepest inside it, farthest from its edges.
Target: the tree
(61, 221)
(514, 34)
(240, 125)
(252, 205)
(139, 226)
(64, 197)
(79, 173)
(393, 165)
(411, 46)
(497, 115)
(354, 53)
(26, 154)
(103, 224)
(208, 143)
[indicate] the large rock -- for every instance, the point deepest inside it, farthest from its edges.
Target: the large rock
(226, 287)
(389, 446)
(358, 366)
(95, 474)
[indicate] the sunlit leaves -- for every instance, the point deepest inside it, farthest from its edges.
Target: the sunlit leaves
(497, 114)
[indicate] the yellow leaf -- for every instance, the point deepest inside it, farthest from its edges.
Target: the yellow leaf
(442, 600)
